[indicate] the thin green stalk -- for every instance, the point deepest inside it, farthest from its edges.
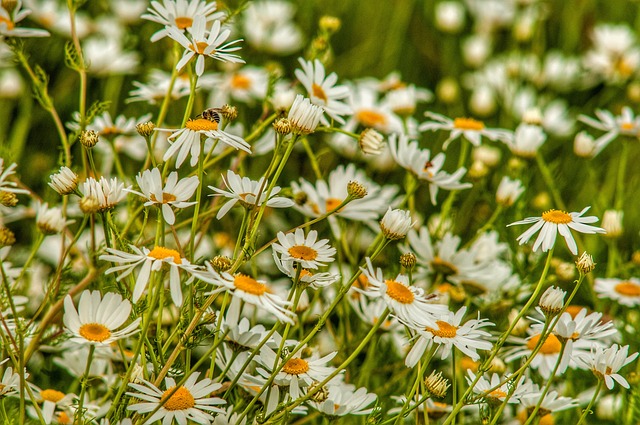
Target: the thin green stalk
(545, 390)
(620, 177)
(586, 411)
(550, 182)
(83, 387)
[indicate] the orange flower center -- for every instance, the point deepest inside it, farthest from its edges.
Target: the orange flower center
(201, 124)
(94, 332)
(627, 126)
(303, 252)
(557, 217)
(199, 47)
(166, 198)
(469, 363)
(629, 289)
(51, 395)
(399, 292)
(370, 118)
(318, 92)
(332, 203)
(445, 330)
(551, 346)
(468, 124)
(160, 253)
(498, 393)
(249, 285)
(573, 310)
(10, 24)
(180, 400)
(295, 366)
(63, 418)
(240, 81)
(183, 22)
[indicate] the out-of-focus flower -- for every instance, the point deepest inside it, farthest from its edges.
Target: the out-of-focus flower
(322, 89)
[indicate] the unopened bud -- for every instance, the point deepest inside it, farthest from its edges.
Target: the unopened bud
(448, 90)
(9, 5)
(8, 199)
(321, 394)
(89, 205)
(612, 223)
(532, 116)
(356, 190)
(396, 224)
(89, 138)
(565, 271)
(282, 126)
(331, 24)
(585, 263)
(371, 141)
(7, 238)
(221, 263)
(436, 385)
(551, 301)
(408, 260)
(145, 129)
(228, 112)
(300, 198)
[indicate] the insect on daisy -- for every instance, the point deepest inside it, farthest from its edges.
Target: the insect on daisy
(308, 251)
(553, 222)
(189, 402)
(97, 319)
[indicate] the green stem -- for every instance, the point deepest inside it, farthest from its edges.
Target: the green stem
(85, 379)
(586, 411)
(547, 386)
(550, 182)
(622, 169)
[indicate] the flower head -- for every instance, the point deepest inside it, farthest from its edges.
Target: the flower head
(471, 129)
(322, 90)
(304, 116)
(64, 181)
(395, 224)
(606, 363)
(307, 251)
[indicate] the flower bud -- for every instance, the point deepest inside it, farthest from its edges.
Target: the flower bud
(8, 199)
(436, 385)
(448, 90)
(356, 190)
(408, 260)
(330, 24)
(508, 191)
(7, 238)
(371, 142)
(221, 263)
(282, 126)
(228, 112)
(145, 129)
(551, 301)
(396, 224)
(64, 181)
(89, 138)
(583, 145)
(612, 223)
(585, 263)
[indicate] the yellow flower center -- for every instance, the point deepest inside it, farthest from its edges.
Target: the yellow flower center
(629, 289)
(468, 124)
(305, 273)
(166, 197)
(318, 92)
(51, 395)
(370, 118)
(108, 131)
(469, 363)
(199, 47)
(399, 292)
(332, 203)
(303, 252)
(444, 267)
(295, 366)
(249, 285)
(627, 126)
(180, 400)
(445, 330)
(63, 418)
(551, 346)
(201, 124)
(623, 67)
(240, 81)
(94, 332)
(557, 217)
(498, 393)
(573, 310)
(183, 22)
(160, 253)
(10, 24)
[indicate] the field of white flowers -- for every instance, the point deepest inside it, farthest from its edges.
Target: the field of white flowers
(319, 212)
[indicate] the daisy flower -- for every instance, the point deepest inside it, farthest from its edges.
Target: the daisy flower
(508, 191)
(175, 193)
(322, 89)
(108, 193)
(448, 333)
(625, 124)
(546, 358)
(304, 116)
(97, 319)
(50, 220)
(64, 181)
(419, 161)
(251, 291)
(248, 84)
(179, 14)
(307, 251)
(51, 400)
(498, 395)
(150, 260)
(344, 399)
(8, 186)
(297, 373)
(625, 292)
(307, 277)
(269, 26)
(408, 303)
(200, 44)
(470, 129)
(187, 140)
(552, 402)
(553, 222)
(190, 402)
(156, 89)
(8, 21)
(249, 193)
(10, 382)
(396, 223)
(606, 363)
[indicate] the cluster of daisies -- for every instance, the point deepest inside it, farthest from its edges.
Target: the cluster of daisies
(311, 249)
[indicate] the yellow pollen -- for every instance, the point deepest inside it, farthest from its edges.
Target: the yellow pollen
(51, 395)
(249, 285)
(399, 292)
(63, 418)
(444, 267)
(295, 366)
(183, 22)
(468, 124)
(305, 273)
(239, 81)
(166, 197)
(303, 252)
(551, 346)
(94, 332)
(623, 67)
(160, 253)
(370, 118)
(107, 131)
(557, 217)
(201, 124)
(199, 47)
(445, 330)
(627, 126)
(573, 310)
(546, 420)
(318, 92)
(180, 400)
(575, 335)
(10, 24)
(332, 203)
(469, 363)
(629, 289)
(498, 393)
